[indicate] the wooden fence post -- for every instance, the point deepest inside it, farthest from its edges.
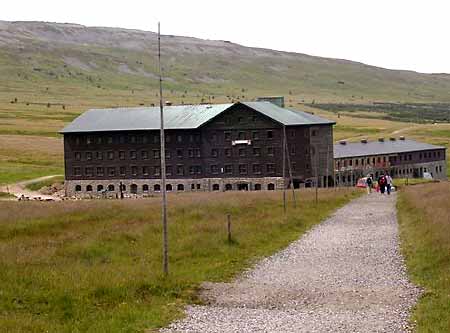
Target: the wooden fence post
(229, 227)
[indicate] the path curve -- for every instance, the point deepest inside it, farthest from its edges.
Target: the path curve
(17, 189)
(344, 275)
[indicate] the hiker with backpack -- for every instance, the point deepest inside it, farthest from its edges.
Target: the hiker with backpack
(382, 183)
(388, 183)
(369, 183)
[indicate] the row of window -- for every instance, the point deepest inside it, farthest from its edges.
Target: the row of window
(384, 159)
(180, 153)
(133, 154)
(362, 161)
(169, 187)
(438, 169)
(395, 172)
(133, 139)
(144, 139)
(178, 169)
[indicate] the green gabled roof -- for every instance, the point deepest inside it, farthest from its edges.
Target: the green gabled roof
(286, 116)
(178, 117)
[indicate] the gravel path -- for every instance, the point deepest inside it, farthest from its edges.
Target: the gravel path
(344, 275)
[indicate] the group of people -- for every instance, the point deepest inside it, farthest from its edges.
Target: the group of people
(384, 183)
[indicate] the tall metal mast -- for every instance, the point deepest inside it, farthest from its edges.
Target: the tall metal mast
(284, 171)
(291, 179)
(163, 164)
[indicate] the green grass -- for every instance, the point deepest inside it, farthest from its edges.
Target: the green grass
(416, 112)
(35, 186)
(95, 266)
(424, 218)
(14, 172)
(401, 182)
(4, 195)
(24, 158)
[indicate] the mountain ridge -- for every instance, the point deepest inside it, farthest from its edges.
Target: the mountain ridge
(122, 58)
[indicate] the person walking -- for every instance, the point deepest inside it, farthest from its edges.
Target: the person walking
(388, 183)
(382, 183)
(369, 183)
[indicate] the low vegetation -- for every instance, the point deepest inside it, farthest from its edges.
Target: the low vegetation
(5, 195)
(414, 112)
(95, 266)
(36, 186)
(424, 217)
(24, 157)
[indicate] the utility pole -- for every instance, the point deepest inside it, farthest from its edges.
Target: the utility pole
(163, 163)
(284, 172)
(316, 173)
(289, 166)
(328, 162)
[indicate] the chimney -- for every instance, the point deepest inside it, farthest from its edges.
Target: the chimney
(277, 100)
(343, 142)
(364, 140)
(380, 139)
(402, 138)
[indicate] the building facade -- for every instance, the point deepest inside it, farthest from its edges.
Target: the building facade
(401, 158)
(208, 148)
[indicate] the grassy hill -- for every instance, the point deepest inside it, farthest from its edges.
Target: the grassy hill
(79, 66)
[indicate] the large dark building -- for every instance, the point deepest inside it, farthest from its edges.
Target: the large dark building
(400, 157)
(208, 148)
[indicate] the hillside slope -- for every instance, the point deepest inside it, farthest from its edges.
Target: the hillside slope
(69, 63)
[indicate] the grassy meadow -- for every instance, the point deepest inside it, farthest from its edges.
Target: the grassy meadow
(424, 217)
(95, 266)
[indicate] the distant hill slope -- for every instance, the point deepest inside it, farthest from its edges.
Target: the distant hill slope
(57, 62)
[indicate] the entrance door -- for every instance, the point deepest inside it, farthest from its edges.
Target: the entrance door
(243, 187)
(296, 183)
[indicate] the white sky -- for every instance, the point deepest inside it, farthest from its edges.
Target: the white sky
(398, 34)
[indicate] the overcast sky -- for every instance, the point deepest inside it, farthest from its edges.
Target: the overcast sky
(397, 34)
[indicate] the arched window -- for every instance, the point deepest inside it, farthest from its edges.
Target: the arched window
(77, 188)
(99, 188)
(257, 187)
(271, 187)
(89, 188)
(133, 188)
(145, 188)
(111, 187)
(169, 187)
(156, 187)
(216, 187)
(180, 187)
(228, 187)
